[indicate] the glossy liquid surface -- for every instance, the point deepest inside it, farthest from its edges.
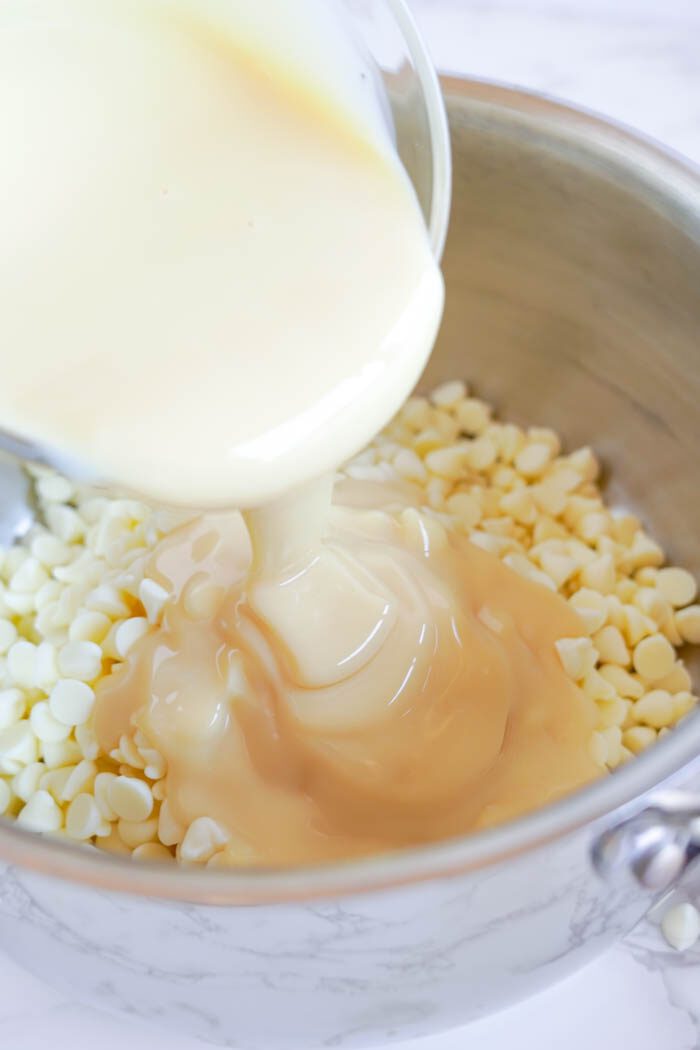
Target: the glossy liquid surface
(392, 686)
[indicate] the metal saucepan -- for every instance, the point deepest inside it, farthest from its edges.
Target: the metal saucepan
(573, 275)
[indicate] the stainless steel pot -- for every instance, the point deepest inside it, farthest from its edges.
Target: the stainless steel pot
(573, 273)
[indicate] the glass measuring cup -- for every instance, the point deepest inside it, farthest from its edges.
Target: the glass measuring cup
(389, 38)
(390, 35)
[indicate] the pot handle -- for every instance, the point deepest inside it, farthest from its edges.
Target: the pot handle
(655, 846)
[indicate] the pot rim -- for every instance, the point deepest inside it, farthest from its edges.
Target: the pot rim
(675, 183)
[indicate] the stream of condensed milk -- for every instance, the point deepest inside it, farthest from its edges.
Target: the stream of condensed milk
(216, 285)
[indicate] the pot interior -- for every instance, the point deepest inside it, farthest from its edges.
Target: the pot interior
(573, 299)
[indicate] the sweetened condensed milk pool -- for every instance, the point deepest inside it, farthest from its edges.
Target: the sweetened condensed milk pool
(393, 686)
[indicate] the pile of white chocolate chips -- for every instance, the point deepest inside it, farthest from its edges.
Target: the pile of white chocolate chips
(73, 602)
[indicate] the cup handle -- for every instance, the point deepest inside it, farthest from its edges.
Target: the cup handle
(655, 846)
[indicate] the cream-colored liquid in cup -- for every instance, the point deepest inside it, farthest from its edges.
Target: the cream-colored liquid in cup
(215, 285)
(215, 278)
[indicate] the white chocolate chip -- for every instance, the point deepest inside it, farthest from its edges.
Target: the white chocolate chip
(26, 782)
(203, 839)
(448, 394)
(644, 552)
(65, 523)
(71, 702)
(639, 738)
(585, 463)
(681, 926)
(12, 559)
(683, 704)
(152, 852)
(87, 742)
(12, 706)
(130, 798)
(5, 796)
(19, 604)
(467, 509)
(599, 748)
(549, 497)
(677, 586)
(670, 631)
(622, 681)
(80, 660)
(612, 712)
(8, 634)
(130, 752)
(653, 604)
(83, 818)
(46, 726)
(113, 843)
(637, 625)
(578, 656)
(21, 663)
(613, 743)
(89, 626)
(481, 453)
(688, 624)
(520, 506)
(599, 574)
(60, 753)
(594, 525)
(532, 460)
(473, 416)
(29, 577)
(616, 611)
(446, 426)
(41, 813)
(81, 779)
(560, 568)
(597, 687)
(409, 465)
(655, 709)
(54, 781)
(625, 589)
(135, 833)
(153, 598)
(50, 551)
(107, 599)
(547, 436)
(102, 788)
(524, 567)
(46, 666)
(449, 463)
(92, 509)
(591, 608)
(170, 831)
(416, 413)
(611, 646)
(678, 681)
(654, 657)
(53, 488)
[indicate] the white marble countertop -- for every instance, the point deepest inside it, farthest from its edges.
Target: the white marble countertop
(637, 61)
